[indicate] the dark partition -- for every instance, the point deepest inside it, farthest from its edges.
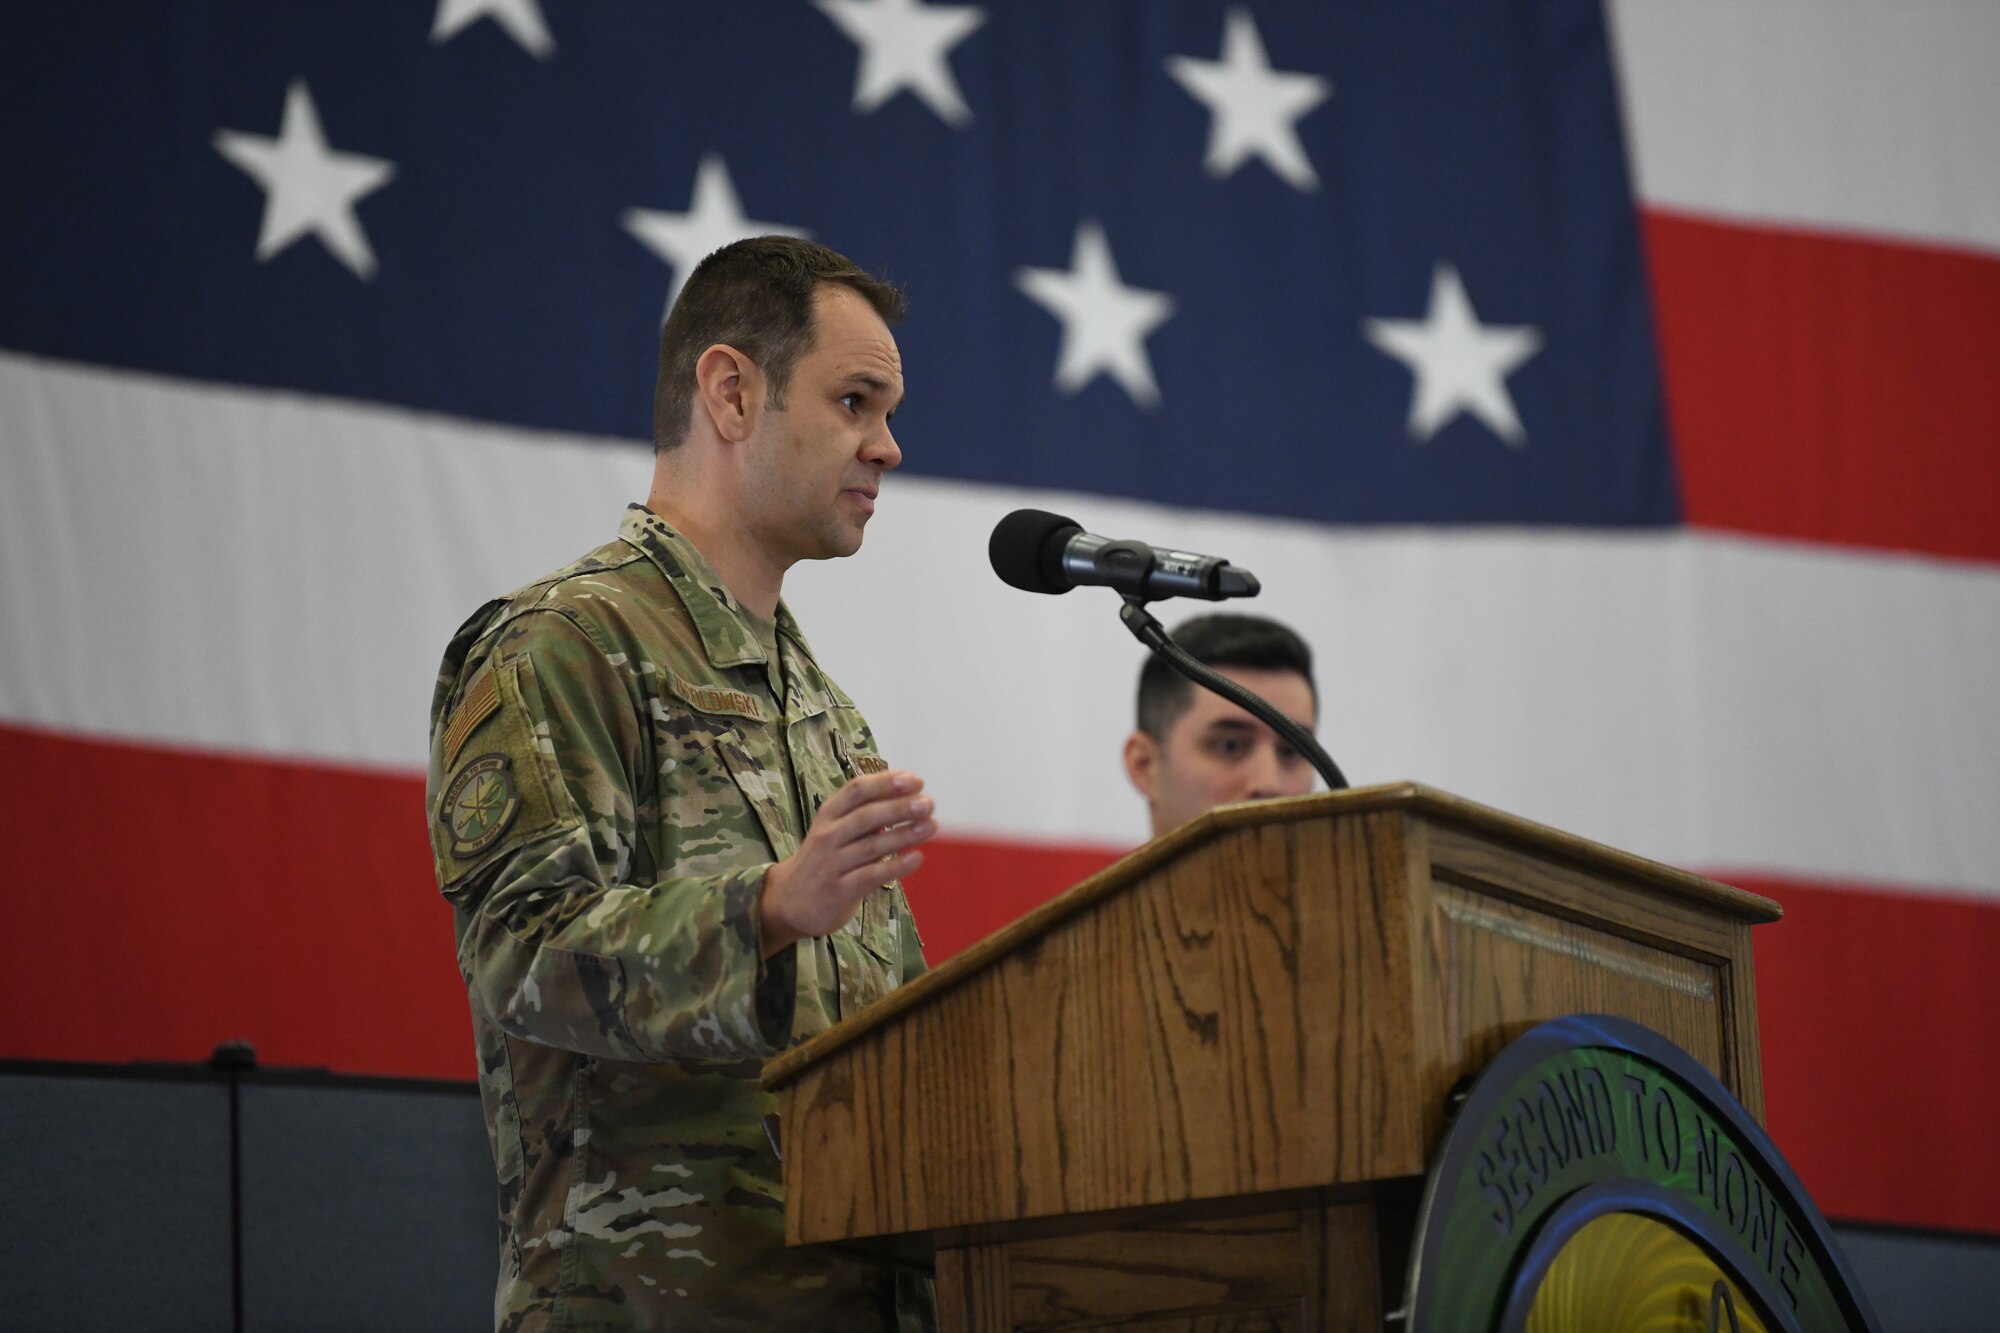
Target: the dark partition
(116, 1212)
(362, 1203)
(366, 1206)
(1926, 1281)
(368, 1203)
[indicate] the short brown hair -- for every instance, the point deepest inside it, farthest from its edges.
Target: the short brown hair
(1252, 643)
(756, 296)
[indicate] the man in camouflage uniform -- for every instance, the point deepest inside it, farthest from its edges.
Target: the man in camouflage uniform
(669, 842)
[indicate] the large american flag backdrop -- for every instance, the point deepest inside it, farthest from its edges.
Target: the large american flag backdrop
(1610, 395)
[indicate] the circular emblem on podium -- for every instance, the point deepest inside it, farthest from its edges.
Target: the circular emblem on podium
(1596, 1177)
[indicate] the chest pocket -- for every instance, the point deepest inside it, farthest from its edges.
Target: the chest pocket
(721, 790)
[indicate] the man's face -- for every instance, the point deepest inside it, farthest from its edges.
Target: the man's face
(815, 467)
(1216, 753)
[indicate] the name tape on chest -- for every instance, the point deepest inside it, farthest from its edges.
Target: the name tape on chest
(717, 699)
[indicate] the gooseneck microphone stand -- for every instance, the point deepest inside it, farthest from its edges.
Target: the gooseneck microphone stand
(1153, 634)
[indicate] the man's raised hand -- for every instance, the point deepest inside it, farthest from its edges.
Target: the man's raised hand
(863, 837)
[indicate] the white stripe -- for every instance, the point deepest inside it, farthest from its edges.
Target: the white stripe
(1841, 114)
(250, 570)
(261, 572)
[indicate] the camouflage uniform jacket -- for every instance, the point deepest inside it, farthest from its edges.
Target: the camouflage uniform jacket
(611, 775)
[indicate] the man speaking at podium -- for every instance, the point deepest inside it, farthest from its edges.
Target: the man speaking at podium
(671, 848)
(1193, 749)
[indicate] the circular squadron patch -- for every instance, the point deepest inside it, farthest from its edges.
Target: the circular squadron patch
(479, 804)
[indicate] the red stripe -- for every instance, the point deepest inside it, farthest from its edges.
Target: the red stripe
(967, 888)
(1881, 1072)
(1828, 388)
(164, 901)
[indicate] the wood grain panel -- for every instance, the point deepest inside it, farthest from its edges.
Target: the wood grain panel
(1275, 1001)
(1505, 966)
(1182, 1269)
(1409, 800)
(1284, 1319)
(1665, 919)
(1367, 967)
(1228, 1026)
(1746, 1078)
(972, 1289)
(1658, 917)
(1343, 1284)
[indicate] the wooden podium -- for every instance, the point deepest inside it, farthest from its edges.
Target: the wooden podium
(1199, 1090)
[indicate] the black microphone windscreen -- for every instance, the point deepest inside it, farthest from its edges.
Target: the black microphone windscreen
(1026, 549)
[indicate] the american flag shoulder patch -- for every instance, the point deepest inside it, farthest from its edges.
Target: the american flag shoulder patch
(480, 703)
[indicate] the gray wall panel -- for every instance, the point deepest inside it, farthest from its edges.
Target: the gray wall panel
(1924, 1281)
(366, 1208)
(370, 1206)
(116, 1203)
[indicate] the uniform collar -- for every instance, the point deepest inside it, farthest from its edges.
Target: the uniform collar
(728, 636)
(807, 690)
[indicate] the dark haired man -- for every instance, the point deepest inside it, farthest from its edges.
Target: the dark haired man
(1193, 749)
(669, 843)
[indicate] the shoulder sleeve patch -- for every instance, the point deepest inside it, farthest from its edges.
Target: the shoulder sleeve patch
(481, 703)
(719, 699)
(480, 804)
(503, 796)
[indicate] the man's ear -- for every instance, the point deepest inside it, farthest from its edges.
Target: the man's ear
(729, 388)
(1142, 762)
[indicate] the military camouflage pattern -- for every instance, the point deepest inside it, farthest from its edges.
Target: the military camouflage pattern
(611, 776)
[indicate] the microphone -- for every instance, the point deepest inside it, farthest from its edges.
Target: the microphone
(1037, 551)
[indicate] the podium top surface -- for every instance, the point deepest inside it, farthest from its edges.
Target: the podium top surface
(1408, 798)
